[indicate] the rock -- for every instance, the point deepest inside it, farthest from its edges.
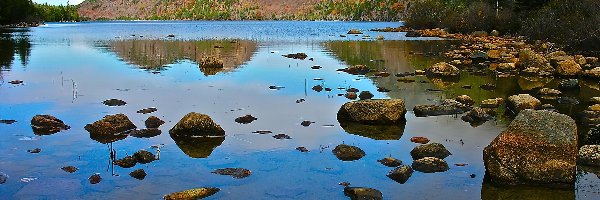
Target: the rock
(354, 32)
(495, 33)
(246, 119)
(430, 150)
(479, 55)
(447, 107)
(306, 123)
(494, 54)
(381, 74)
(488, 86)
(348, 153)
(69, 169)
(465, 99)
(302, 149)
(531, 59)
(211, 62)
(568, 68)
(592, 73)
(36, 150)
(145, 133)
(362, 193)
(537, 148)
(379, 37)
(198, 193)
(364, 95)
(300, 56)
(430, 165)
(420, 140)
(479, 34)
(579, 59)
(380, 111)
(95, 179)
(556, 54)
(568, 100)
(143, 156)
(420, 72)
(569, 84)
(126, 162)
(147, 110)
(7, 121)
(382, 89)
(506, 67)
(357, 70)
(153, 122)
(16, 82)
(401, 174)
(263, 132)
(406, 80)
(317, 88)
(3, 177)
(492, 103)
(589, 155)
(111, 125)
(282, 136)
(390, 162)
(196, 124)
(47, 124)
(139, 174)
(549, 92)
(468, 87)
(351, 95)
(518, 103)
(316, 67)
(114, 102)
(477, 116)
(237, 173)
(442, 69)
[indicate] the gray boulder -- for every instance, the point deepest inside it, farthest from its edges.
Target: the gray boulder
(520, 102)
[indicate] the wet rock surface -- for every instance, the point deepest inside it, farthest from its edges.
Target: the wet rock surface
(357, 70)
(153, 122)
(47, 124)
(390, 162)
(246, 119)
(348, 153)
(197, 193)
(465, 99)
(520, 102)
(430, 165)
(362, 193)
(401, 174)
(491, 103)
(36, 150)
(306, 123)
(139, 174)
(196, 124)
(282, 136)
(430, 150)
(538, 148)
(238, 173)
(70, 169)
(114, 102)
(299, 56)
(364, 95)
(7, 121)
(478, 115)
(111, 125)
(589, 155)
(384, 111)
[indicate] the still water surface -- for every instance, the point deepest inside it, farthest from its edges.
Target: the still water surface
(69, 69)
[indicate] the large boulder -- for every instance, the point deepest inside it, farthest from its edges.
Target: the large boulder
(589, 155)
(436, 150)
(538, 148)
(111, 125)
(443, 69)
(380, 111)
(568, 68)
(529, 58)
(520, 102)
(47, 124)
(401, 174)
(447, 107)
(196, 124)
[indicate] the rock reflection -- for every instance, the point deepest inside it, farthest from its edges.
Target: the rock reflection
(198, 147)
(376, 132)
(493, 192)
(155, 54)
(107, 138)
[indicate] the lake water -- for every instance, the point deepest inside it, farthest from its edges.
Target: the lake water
(68, 69)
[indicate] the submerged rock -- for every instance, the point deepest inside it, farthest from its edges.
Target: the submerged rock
(401, 174)
(114, 102)
(143, 156)
(465, 99)
(589, 155)
(492, 103)
(478, 116)
(145, 133)
(126, 162)
(197, 193)
(95, 179)
(69, 169)
(390, 162)
(7, 121)
(569, 84)
(47, 124)
(362, 193)
(246, 119)
(381, 111)
(351, 95)
(302, 149)
(430, 150)
(538, 148)
(518, 103)
(36, 150)
(196, 124)
(430, 165)
(238, 173)
(153, 122)
(3, 177)
(443, 69)
(568, 68)
(111, 125)
(354, 32)
(139, 174)
(348, 153)
(447, 107)
(300, 56)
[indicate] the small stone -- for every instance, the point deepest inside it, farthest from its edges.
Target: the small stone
(70, 169)
(237, 173)
(246, 119)
(488, 86)
(390, 162)
(589, 155)
(348, 153)
(263, 132)
(114, 102)
(126, 162)
(302, 149)
(430, 165)
(361, 193)
(465, 99)
(401, 174)
(153, 122)
(197, 193)
(3, 177)
(351, 95)
(345, 184)
(36, 150)
(95, 179)
(147, 110)
(472, 175)
(143, 156)
(436, 150)
(306, 123)
(282, 136)
(7, 121)
(15, 82)
(317, 88)
(420, 140)
(139, 174)
(365, 95)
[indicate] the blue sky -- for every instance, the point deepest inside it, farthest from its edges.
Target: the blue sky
(59, 2)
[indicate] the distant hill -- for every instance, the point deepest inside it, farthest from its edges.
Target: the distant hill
(242, 9)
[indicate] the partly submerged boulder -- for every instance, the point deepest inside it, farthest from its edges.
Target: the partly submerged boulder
(401, 174)
(196, 124)
(436, 150)
(111, 125)
(47, 124)
(153, 122)
(520, 102)
(430, 165)
(538, 148)
(443, 69)
(197, 193)
(362, 193)
(348, 153)
(380, 111)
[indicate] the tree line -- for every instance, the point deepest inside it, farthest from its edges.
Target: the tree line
(26, 11)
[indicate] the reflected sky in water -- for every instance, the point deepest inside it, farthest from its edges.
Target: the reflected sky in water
(71, 68)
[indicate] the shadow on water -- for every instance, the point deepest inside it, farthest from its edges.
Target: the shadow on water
(155, 55)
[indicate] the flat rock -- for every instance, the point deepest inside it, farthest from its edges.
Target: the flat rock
(237, 173)
(197, 193)
(420, 140)
(430, 165)
(143, 156)
(69, 169)
(147, 110)
(442, 69)
(114, 102)
(139, 174)
(111, 125)
(364, 95)
(126, 162)
(348, 153)
(153, 122)
(430, 150)
(520, 102)
(362, 193)
(246, 119)
(390, 162)
(447, 107)
(145, 133)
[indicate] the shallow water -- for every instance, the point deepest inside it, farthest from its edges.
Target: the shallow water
(69, 69)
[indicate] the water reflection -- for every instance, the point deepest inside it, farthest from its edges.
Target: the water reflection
(493, 192)
(14, 42)
(376, 132)
(108, 138)
(156, 54)
(198, 147)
